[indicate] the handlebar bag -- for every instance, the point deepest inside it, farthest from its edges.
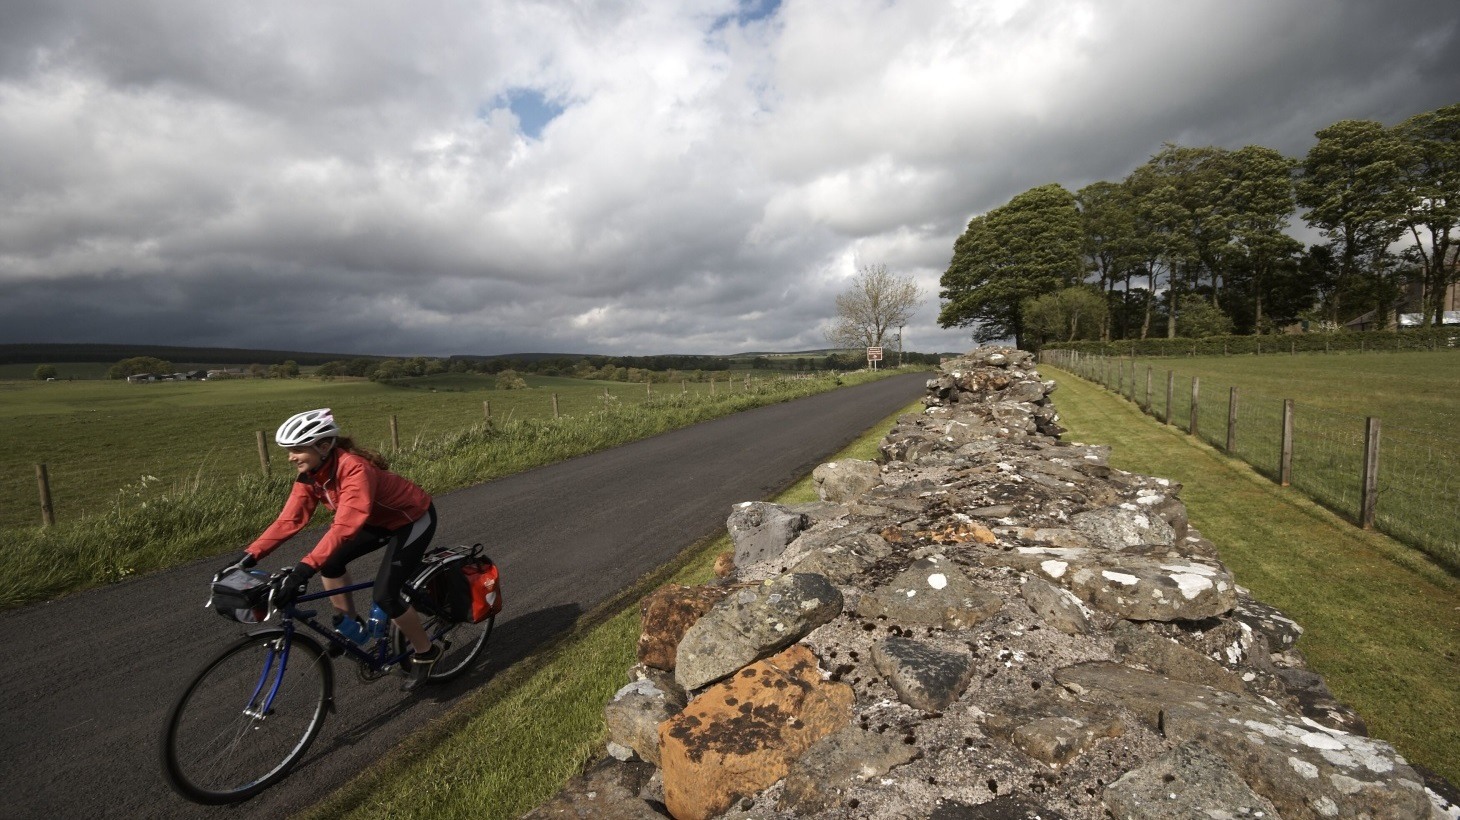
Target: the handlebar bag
(242, 595)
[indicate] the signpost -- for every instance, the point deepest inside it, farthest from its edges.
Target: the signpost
(874, 355)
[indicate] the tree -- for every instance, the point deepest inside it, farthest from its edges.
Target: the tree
(1430, 178)
(1107, 216)
(1353, 192)
(46, 371)
(877, 301)
(1258, 200)
(509, 380)
(1030, 246)
(1199, 318)
(1073, 313)
(137, 365)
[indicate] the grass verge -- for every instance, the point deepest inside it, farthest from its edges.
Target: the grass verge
(509, 745)
(1382, 620)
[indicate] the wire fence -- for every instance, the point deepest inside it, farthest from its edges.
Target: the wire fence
(1403, 481)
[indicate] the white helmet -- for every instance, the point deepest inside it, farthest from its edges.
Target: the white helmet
(304, 429)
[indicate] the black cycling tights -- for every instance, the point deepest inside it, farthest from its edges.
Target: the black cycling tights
(404, 549)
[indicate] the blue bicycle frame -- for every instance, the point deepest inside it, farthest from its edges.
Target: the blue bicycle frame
(377, 659)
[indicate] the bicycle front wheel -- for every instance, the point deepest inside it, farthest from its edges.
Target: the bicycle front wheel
(247, 717)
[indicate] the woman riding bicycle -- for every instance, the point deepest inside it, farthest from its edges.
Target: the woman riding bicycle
(373, 507)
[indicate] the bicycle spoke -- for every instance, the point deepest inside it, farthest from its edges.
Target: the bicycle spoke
(245, 720)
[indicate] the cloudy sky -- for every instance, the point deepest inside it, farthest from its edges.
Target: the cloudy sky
(675, 176)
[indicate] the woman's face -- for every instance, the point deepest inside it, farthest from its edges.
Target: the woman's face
(308, 458)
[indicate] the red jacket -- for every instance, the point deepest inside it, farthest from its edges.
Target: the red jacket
(359, 492)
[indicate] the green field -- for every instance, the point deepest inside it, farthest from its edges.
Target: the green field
(108, 442)
(1415, 396)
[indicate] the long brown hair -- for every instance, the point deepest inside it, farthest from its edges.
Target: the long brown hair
(348, 445)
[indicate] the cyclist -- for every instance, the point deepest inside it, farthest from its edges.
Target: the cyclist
(373, 507)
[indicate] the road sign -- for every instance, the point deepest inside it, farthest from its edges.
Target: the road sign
(874, 354)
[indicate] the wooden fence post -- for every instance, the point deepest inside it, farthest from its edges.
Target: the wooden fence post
(555, 405)
(1369, 499)
(487, 410)
(1170, 391)
(1195, 402)
(394, 433)
(1148, 388)
(648, 389)
(1232, 420)
(263, 443)
(1285, 458)
(712, 385)
(43, 480)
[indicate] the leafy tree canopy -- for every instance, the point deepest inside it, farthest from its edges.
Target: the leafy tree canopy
(1030, 246)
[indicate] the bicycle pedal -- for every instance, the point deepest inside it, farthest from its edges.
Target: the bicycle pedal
(335, 650)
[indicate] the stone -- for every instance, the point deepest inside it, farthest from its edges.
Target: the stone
(633, 717)
(608, 790)
(1144, 589)
(725, 564)
(819, 779)
(1007, 807)
(932, 592)
(1306, 770)
(1055, 741)
(1187, 782)
(666, 614)
(845, 480)
(1169, 658)
(742, 735)
(1057, 607)
(752, 623)
(924, 677)
(1119, 528)
(761, 531)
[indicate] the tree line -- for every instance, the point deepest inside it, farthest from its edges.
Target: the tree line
(664, 369)
(1195, 241)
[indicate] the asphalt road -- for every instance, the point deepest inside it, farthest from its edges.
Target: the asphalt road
(89, 678)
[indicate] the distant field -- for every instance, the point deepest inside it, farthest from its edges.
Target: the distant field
(1415, 395)
(100, 438)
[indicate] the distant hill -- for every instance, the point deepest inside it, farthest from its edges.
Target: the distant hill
(47, 353)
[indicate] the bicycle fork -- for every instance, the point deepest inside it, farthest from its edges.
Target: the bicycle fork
(278, 651)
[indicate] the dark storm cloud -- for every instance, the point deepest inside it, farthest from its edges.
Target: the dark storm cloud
(700, 177)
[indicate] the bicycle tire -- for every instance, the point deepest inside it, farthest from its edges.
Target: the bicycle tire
(214, 751)
(466, 641)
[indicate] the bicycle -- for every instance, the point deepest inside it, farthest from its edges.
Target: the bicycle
(252, 712)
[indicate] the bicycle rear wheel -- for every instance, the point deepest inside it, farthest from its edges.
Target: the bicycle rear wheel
(221, 745)
(464, 642)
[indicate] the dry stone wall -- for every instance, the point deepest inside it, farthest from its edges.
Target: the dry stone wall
(986, 623)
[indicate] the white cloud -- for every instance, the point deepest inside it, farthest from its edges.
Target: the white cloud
(699, 177)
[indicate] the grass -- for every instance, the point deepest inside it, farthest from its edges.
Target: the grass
(1382, 620)
(154, 523)
(1413, 394)
(510, 745)
(99, 439)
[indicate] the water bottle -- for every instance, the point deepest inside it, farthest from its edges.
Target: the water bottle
(378, 621)
(350, 627)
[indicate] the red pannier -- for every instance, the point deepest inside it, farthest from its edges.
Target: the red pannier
(486, 593)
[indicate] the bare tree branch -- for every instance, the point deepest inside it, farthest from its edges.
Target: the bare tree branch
(877, 301)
